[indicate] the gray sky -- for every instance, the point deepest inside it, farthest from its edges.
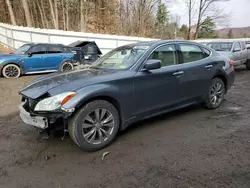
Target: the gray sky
(239, 9)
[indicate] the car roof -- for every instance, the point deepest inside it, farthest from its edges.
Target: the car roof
(226, 40)
(33, 43)
(159, 42)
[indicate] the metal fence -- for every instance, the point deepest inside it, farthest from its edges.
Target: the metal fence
(15, 36)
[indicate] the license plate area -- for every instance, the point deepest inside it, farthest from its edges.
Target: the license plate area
(37, 121)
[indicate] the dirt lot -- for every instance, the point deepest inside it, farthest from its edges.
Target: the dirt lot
(192, 147)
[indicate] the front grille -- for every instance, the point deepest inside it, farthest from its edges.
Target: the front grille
(29, 104)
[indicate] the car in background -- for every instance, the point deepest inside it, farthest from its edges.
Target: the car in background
(236, 50)
(128, 84)
(86, 52)
(248, 54)
(34, 58)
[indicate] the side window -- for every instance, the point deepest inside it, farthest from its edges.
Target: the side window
(167, 55)
(55, 49)
(237, 46)
(248, 45)
(243, 45)
(192, 53)
(38, 49)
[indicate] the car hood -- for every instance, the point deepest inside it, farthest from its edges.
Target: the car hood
(57, 83)
(8, 55)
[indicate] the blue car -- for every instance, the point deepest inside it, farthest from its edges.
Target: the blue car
(36, 58)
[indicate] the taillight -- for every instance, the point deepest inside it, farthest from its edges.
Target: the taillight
(231, 63)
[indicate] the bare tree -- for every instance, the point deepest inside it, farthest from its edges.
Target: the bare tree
(208, 8)
(27, 13)
(63, 13)
(53, 14)
(41, 13)
(84, 12)
(12, 16)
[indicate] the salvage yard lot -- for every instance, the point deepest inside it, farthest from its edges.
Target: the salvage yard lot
(192, 147)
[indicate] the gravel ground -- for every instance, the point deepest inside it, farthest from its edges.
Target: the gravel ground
(188, 148)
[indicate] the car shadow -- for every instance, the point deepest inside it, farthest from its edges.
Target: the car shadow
(159, 118)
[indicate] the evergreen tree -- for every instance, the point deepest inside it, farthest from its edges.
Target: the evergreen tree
(207, 29)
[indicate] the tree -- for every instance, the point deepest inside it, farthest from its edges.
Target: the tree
(208, 8)
(12, 16)
(54, 13)
(230, 34)
(161, 18)
(27, 13)
(207, 29)
(185, 31)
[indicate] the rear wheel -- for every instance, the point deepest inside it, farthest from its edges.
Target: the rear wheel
(215, 95)
(248, 64)
(11, 71)
(67, 66)
(95, 125)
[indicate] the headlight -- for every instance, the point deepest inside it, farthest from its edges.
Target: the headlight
(55, 102)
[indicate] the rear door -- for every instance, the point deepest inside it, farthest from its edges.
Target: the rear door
(237, 53)
(54, 57)
(35, 62)
(243, 52)
(198, 70)
(161, 87)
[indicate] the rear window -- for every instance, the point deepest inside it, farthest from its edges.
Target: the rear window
(221, 46)
(243, 45)
(191, 53)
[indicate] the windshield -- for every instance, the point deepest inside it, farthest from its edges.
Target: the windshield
(120, 58)
(23, 49)
(221, 46)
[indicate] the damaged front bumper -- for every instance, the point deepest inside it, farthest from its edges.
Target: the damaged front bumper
(42, 120)
(37, 121)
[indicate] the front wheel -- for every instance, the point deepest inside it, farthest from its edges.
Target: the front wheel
(215, 95)
(95, 125)
(11, 71)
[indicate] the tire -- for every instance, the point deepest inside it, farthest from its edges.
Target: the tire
(248, 64)
(215, 95)
(107, 125)
(66, 66)
(11, 71)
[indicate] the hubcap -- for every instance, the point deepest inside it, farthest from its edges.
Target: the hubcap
(67, 67)
(98, 126)
(216, 94)
(11, 71)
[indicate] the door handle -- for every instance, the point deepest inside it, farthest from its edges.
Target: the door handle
(208, 66)
(178, 73)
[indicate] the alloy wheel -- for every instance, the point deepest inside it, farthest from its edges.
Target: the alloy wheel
(67, 66)
(98, 126)
(217, 93)
(11, 71)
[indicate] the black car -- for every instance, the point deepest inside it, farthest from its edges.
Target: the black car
(86, 52)
(128, 84)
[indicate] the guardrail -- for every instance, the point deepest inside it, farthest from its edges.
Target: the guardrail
(15, 36)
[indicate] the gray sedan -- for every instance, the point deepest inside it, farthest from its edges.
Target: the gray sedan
(128, 84)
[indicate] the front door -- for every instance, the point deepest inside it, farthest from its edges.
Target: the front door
(161, 87)
(34, 61)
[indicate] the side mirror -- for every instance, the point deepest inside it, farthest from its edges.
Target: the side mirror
(29, 54)
(152, 64)
(236, 50)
